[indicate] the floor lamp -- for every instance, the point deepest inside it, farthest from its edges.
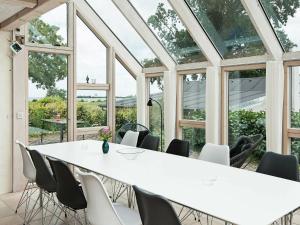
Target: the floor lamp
(161, 119)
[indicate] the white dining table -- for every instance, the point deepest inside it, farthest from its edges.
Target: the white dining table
(234, 195)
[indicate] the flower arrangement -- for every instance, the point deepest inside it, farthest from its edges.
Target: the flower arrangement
(105, 134)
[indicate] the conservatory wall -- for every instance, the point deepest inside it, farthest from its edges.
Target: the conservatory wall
(5, 113)
(214, 86)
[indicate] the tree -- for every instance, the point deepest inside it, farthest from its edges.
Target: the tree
(46, 69)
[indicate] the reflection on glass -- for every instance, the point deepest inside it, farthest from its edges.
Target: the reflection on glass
(229, 26)
(50, 28)
(285, 19)
(196, 137)
(247, 104)
(295, 147)
(91, 108)
(193, 102)
(157, 93)
(125, 96)
(169, 29)
(295, 96)
(90, 56)
(125, 32)
(47, 98)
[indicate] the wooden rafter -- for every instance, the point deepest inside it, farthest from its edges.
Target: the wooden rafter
(23, 3)
(28, 14)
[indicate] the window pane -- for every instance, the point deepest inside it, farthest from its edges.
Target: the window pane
(169, 29)
(285, 19)
(196, 137)
(50, 28)
(247, 104)
(125, 97)
(47, 98)
(91, 108)
(90, 56)
(157, 93)
(194, 88)
(125, 32)
(295, 96)
(229, 27)
(295, 147)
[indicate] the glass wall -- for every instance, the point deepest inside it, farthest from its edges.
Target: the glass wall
(196, 138)
(247, 105)
(125, 96)
(91, 108)
(47, 98)
(156, 91)
(284, 16)
(229, 27)
(50, 28)
(169, 29)
(192, 117)
(193, 96)
(90, 56)
(294, 109)
(125, 32)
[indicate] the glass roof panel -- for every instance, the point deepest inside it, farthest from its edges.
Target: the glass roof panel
(229, 27)
(285, 18)
(114, 19)
(169, 29)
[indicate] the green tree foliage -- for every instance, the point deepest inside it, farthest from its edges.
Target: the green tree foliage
(46, 69)
(173, 35)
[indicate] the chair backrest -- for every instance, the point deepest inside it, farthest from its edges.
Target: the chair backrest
(154, 209)
(215, 154)
(283, 166)
(142, 135)
(130, 138)
(44, 177)
(68, 190)
(100, 210)
(29, 170)
(150, 142)
(179, 147)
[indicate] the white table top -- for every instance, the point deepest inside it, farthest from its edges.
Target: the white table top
(234, 195)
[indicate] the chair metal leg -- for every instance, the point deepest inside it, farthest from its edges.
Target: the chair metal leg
(21, 201)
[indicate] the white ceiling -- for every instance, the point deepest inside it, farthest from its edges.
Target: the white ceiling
(7, 10)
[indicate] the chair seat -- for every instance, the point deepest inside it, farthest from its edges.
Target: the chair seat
(127, 216)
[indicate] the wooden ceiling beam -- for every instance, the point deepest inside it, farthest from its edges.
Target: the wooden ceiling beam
(22, 3)
(28, 14)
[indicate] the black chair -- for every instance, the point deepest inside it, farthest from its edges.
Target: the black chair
(69, 192)
(179, 147)
(154, 209)
(44, 177)
(47, 184)
(150, 142)
(283, 166)
(243, 150)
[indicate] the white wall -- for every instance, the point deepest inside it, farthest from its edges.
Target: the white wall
(5, 114)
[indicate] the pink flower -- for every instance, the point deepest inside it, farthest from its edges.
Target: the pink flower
(105, 130)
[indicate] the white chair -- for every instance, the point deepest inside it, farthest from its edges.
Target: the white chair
(100, 210)
(130, 138)
(29, 172)
(216, 154)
